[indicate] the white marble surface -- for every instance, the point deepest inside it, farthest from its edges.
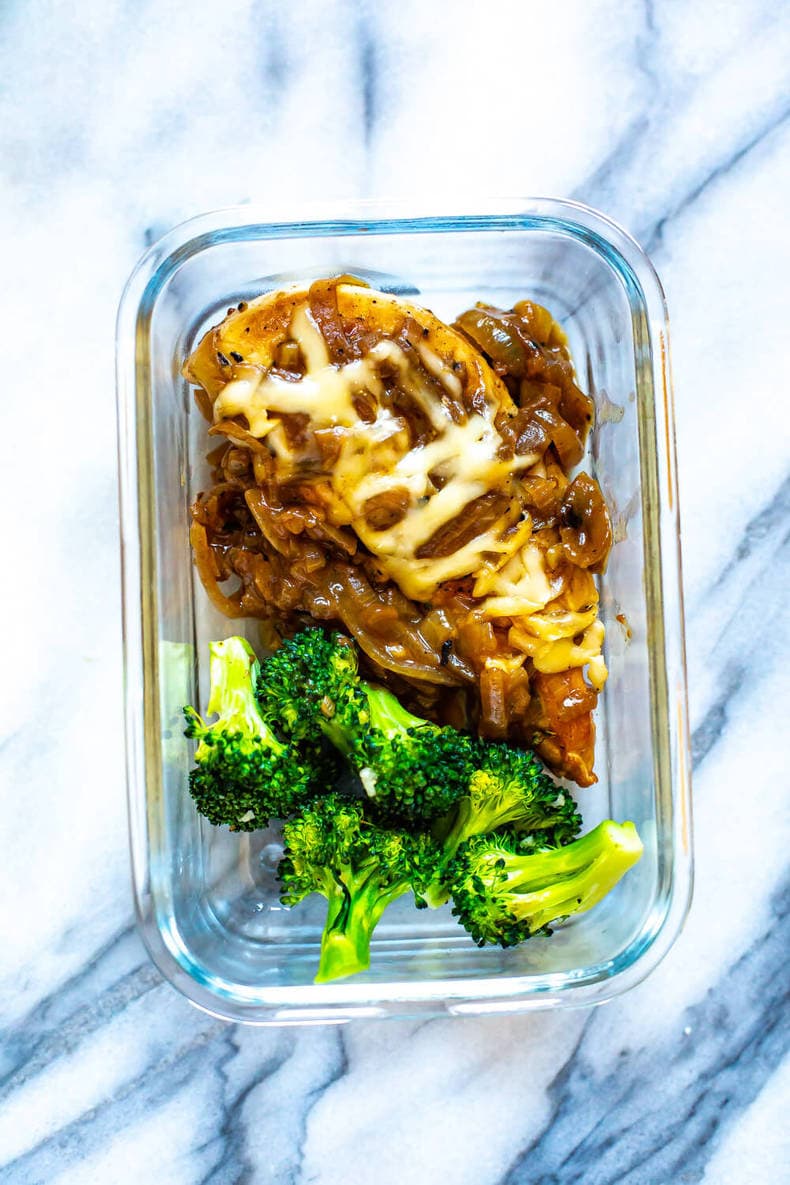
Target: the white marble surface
(117, 121)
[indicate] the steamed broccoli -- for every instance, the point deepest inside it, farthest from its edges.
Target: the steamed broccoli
(412, 771)
(244, 774)
(309, 681)
(501, 895)
(332, 849)
(443, 813)
(510, 788)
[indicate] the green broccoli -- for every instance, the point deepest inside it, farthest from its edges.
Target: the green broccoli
(332, 849)
(412, 771)
(501, 895)
(510, 788)
(244, 774)
(294, 685)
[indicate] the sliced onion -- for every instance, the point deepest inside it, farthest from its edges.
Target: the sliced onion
(586, 532)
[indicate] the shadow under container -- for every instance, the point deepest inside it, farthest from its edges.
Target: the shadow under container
(206, 899)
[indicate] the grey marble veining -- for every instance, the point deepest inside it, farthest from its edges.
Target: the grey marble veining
(116, 121)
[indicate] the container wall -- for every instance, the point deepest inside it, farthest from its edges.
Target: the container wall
(213, 894)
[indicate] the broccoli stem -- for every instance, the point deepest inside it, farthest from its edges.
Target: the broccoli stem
(617, 843)
(470, 819)
(571, 880)
(384, 712)
(388, 714)
(233, 671)
(477, 814)
(336, 735)
(351, 919)
(345, 943)
(503, 896)
(340, 957)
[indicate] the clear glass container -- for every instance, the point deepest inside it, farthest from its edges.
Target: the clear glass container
(206, 899)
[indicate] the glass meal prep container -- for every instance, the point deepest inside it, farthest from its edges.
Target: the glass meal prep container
(207, 899)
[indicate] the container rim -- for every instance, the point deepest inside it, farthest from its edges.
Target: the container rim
(369, 215)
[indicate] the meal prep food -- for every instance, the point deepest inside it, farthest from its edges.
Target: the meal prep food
(410, 483)
(395, 499)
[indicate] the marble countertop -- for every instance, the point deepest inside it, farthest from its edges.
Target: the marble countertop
(118, 121)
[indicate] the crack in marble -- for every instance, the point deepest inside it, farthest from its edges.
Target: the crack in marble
(753, 608)
(600, 186)
(759, 529)
(647, 46)
(312, 1099)
(654, 238)
(154, 1086)
(615, 158)
(11, 738)
(757, 608)
(235, 1166)
(273, 56)
(31, 1040)
(367, 54)
(154, 232)
(86, 1020)
(710, 729)
(741, 1034)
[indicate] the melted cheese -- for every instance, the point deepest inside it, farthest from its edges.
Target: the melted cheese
(389, 351)
(243, 397)
(376, 458)
(551, 657)
(520, 586)
(554, 624)
(325, 393)
(436, 481)
(434, 365)
(465, 456)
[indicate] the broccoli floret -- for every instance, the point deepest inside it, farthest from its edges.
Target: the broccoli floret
(512, 789)
(501, 895)
(244, 774)
(412, 771)
(332, 849)
(509, 789)
(309, 687)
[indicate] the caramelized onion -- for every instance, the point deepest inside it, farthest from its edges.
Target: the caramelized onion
(541, 493)
(493, 707)
(475, 518)
(207, 571)
(562, 710)
(539, 323)
(269, 521)
(576, 408)
(496, 333)
(383, 511)
(384, 630)
(323, 307)
(236, 432)
(569, 448)
(586, 532)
